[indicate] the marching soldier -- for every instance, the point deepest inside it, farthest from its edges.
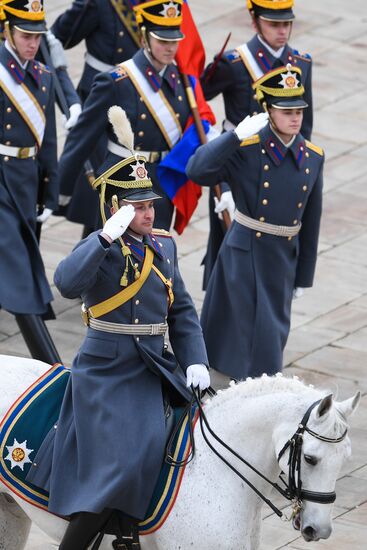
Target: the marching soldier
(233, 74)
(27, 172)
(111, 36)
(128, 277)
(150, 89)
(270, 249)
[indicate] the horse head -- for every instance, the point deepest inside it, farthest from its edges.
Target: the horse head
(313, 458)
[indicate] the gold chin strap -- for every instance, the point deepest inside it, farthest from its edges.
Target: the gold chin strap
(9, 35)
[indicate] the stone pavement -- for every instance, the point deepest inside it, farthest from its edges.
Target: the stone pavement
(328, 341)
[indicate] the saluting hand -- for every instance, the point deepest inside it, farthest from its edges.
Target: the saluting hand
(251, 125)
(117, 224)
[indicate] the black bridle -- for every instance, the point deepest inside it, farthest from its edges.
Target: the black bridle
(292, 489)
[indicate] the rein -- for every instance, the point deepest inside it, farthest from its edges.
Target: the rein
(293, 489)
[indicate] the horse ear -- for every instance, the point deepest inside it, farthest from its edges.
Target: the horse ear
(324, 406)
(348, 406)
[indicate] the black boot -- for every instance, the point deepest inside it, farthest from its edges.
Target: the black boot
(37, 338)
(82, 529)
(126, 530)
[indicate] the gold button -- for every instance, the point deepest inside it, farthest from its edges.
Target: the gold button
(141, 99)
(141, 133)
(46, 179)
(121, 33)
(266, 184)
(44, 88)
(179, 98)
(178, 115)
(178, 81)
(307, 154)
(8, 126)
(138, 148)
(137, 302)
(258, 234)
(44, 107)
(307, 170)
(299, 205)
(120, 50)
(137, 338)
(143, 116)
(262, 219)
(295, 222)
(265, 201)
(263, 151)
(8, 109)
(266, 167)
(6, 159)
(254, 96)
(136, 321)
(8, 143)
(289, 238)
(304, 188)
(168, 261)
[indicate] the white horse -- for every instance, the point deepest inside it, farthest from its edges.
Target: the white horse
(214, 508)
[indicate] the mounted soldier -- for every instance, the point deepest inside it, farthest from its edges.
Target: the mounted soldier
(233, 74)
(128, 277)
(27, 172)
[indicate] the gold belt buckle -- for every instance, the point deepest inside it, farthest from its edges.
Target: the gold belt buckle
(85, 315)
(23, 152)
(154, 156)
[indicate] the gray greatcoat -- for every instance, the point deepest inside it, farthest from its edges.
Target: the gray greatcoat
(110, 438)
(24, 287)
(246, 311)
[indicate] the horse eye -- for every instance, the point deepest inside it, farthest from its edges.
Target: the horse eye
(312, 460)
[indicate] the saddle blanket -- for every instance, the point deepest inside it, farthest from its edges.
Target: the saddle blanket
(31, 417)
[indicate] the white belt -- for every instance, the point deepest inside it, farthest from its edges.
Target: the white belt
(18, 152)
(96, 64)
(270, 228)
(228, 125)
(151, 156)
(158, 329)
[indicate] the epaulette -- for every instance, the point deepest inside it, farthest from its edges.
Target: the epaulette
(250, 140)
(43, 67)
(315, 148)
(232, 56)
(305, 56)
(118, 73)
(161, 232)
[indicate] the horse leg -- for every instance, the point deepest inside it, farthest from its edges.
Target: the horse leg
(14, 524)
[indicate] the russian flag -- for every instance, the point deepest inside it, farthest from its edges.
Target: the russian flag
(183, 192)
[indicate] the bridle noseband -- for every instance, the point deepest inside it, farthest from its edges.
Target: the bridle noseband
(293, 489)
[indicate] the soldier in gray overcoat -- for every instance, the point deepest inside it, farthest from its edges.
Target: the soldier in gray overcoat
(110, 439)
(276, 179)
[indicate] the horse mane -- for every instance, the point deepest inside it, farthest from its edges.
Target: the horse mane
(265, 385)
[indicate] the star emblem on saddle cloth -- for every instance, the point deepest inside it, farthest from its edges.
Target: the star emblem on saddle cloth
(170, 10)
(289, 80)
(33, 6)
(18, 454)
(139, 171)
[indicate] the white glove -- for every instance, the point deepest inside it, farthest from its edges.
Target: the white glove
(197, 375)
(75, 110)
(45, 215)
(117, 224)
(64, 200)
(225, 202)
(57, 53)
(251, 125)
(298, 292)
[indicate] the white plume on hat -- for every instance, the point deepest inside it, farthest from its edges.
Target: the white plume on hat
(122, 127)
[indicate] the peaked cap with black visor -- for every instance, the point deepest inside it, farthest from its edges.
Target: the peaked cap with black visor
(281, 89)
(25, 15)
(160, 19)
(272, 10)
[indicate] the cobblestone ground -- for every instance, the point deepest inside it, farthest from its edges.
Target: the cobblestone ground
(328, 341)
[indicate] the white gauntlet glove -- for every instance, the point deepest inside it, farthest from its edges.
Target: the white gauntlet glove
(197, 375)
(117, 224)
(298, 292)
(251, 125)
(75, 110)
(41, 218)
(225, 202)
(64, 200)
(57, 53)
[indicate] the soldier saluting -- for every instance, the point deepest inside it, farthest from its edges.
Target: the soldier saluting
(233, 74)
(27, 160)
(271, 247)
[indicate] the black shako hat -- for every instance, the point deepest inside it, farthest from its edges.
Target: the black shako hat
(272, 10)
(281, 88)
(25, 15)
(161, 19)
